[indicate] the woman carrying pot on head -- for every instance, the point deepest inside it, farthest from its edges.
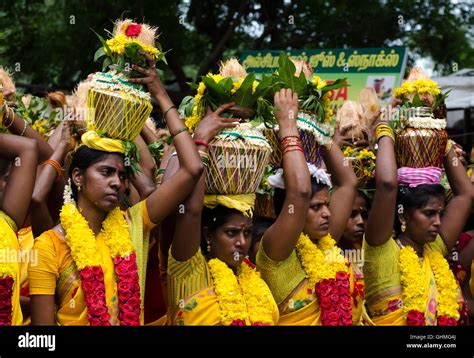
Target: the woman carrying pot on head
(408, 280)
(310, 280)
(91, 268)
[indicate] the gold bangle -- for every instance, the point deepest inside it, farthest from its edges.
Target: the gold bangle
(449, 145)
(11, 118)
(24, 129)
(383, 130)
(166, 112)
(184, 129)
(2, 113)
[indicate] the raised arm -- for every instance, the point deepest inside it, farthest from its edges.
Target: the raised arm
(48, 178)
(379, 226)
(459, 208)
(143, 180)
(16, 125)
(280, 238)
(166, 197)
(17, 194)
(187, 232)
(342, 198)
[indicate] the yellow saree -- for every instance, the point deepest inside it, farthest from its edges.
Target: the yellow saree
(56, 273)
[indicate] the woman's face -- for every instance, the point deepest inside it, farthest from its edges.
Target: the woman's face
(422, 225)
(103, 183)
(319, 215)
(231, 241)
(356, 224)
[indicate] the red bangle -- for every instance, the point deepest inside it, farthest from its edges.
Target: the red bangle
(289, 136)
(200, 142)
(292, 149)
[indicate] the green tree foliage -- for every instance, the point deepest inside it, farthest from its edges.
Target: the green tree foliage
(50, 42)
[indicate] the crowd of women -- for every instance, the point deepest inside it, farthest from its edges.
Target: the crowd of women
(96, 245)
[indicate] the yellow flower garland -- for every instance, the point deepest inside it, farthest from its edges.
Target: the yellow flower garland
(81, 239)
(412, 277)
(447, 286)
(231, 303)
(257, 296)
(117, 234)
(320, 261)
(246, 297)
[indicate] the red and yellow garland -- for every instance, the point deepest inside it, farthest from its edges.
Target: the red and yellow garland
(326, 269)
(81, 240)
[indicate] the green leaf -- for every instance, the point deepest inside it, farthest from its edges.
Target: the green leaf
(243, 97)
(227, 84)
(186, 106)
(99, 53)
(264, 86)
(286, 70)
(339, 83)
(301, 84)
(417, 100)
(215, 91)
(105, 65)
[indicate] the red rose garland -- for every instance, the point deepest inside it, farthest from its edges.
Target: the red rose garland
(334, 300)
(330, 279)
(81, 241)
(6, 292)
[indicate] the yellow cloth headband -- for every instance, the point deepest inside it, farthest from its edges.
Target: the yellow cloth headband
(93, 141)
(243, 202)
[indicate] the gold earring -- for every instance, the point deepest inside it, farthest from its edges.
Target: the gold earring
(78, 188)
(403, 227)
(208, 246)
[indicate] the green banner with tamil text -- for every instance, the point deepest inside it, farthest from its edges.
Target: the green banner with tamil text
(379, 68)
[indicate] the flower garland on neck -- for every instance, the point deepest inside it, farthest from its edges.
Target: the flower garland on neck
(412, 280)
(7, 274)
(241, 298)
(82, 242)
(327, 271)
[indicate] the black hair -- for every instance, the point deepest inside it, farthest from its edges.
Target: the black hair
(214, 218)
(410, 199)
(279, 196)
(82, 159)
(4, 166)
(260, 225)
(366, 198)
